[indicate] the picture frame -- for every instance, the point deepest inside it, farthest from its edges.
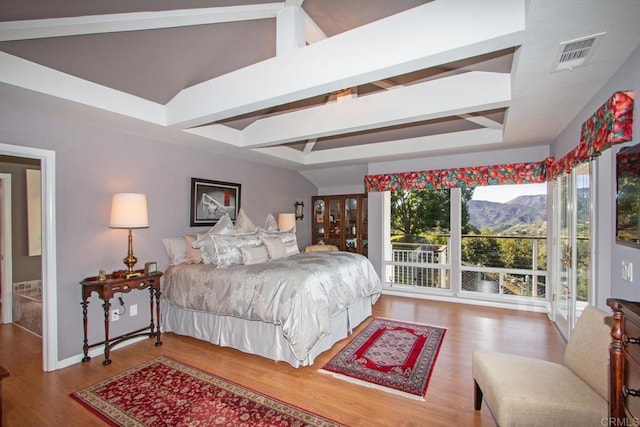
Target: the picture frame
(150, 268)
(211, 200)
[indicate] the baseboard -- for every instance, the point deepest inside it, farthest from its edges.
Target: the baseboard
(96, 352)
(539, 307)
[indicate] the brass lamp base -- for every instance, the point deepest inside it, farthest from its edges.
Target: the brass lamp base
(130, 260)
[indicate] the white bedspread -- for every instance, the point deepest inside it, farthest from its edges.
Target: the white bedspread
(301, 293)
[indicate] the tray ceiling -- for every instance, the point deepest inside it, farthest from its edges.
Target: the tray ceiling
(315, 84)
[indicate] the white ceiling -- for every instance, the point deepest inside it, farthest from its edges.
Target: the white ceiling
(321, 86)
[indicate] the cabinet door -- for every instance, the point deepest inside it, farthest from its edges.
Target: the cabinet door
(335, 222)
(320, 225)
(364, 226)
(351, 226)
(341, 220)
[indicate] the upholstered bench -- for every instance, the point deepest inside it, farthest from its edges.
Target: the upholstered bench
(522, 391)
(321, 248)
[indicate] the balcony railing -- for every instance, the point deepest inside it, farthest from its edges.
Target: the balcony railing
(499, 265)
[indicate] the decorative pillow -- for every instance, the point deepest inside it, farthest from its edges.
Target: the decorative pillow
(223, 226)
(254, 255)
(286, 237)
(275, 248)
(176, 249)
(270, 224)
(224, 250)
(193, 256)
(244, 224)
(207, 249)
(292, 248)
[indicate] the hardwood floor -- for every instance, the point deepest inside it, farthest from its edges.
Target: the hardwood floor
(35, 398)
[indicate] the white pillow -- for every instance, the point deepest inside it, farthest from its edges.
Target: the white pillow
(292, 248)
(275, 248)
(192, 256)
(223, 226)
(254, 255)
(176, 248)
(286, 237)
(244, 224)
(224, 250)
(270, 224)
(207, 248)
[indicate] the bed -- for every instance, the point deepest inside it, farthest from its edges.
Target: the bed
(287, 309)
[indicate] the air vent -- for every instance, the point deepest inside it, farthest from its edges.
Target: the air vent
(576, 53)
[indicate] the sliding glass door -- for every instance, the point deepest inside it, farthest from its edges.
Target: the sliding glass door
(573, 246)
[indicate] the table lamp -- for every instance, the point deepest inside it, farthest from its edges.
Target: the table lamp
(129, 210)
(286, 221)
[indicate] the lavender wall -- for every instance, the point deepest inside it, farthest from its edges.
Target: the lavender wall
(92, 163)
(609, 255)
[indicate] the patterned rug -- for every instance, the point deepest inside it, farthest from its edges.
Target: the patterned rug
(165, 392)
(389, 355)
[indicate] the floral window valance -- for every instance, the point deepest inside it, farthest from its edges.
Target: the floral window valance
(515, 173)
(611, 124)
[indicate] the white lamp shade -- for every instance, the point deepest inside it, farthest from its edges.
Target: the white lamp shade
(129, 210)
(286, 221)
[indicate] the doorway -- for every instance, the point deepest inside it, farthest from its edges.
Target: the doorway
(6, 263)
(573, 246)
(49, 286)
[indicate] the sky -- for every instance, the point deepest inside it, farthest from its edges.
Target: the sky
(505, 193)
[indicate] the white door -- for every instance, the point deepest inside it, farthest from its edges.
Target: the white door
(573, 246)
(563, 256)
(6, 269)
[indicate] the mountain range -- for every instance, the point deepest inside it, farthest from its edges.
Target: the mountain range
(522, 215)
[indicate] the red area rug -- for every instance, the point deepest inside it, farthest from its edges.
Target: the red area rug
(165, 392)
(393, 356)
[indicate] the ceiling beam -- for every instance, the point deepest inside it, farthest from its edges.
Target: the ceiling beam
(135, 21)
(386, 150)
(290, 29)
(411, 40)
(312, 31)
(482, 121)
(308, 147)
(218, 133)
(28, 75)
(449, 96)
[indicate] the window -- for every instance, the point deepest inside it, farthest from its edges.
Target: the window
(420, 231)
(496, 246)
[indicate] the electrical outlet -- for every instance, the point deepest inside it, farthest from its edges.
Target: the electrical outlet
(627, 271)
(115, 315)
(133, 310)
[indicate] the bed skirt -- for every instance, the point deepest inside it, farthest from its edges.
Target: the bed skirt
(257, 337)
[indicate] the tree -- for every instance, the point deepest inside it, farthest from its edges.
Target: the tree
(517, 253)
(415, 212)
(483, 251)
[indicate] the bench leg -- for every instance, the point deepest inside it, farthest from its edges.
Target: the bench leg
(477, 396)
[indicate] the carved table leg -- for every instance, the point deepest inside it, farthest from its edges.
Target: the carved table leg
(106, 306)
(85, 342)
(157, 296)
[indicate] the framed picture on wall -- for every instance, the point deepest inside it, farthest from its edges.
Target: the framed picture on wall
(211, 200)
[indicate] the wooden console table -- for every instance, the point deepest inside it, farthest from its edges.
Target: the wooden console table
(106, 289)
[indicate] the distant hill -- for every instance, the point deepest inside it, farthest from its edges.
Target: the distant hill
(522, 215)
(538, 201)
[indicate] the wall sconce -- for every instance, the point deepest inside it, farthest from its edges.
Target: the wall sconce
(299, 210)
